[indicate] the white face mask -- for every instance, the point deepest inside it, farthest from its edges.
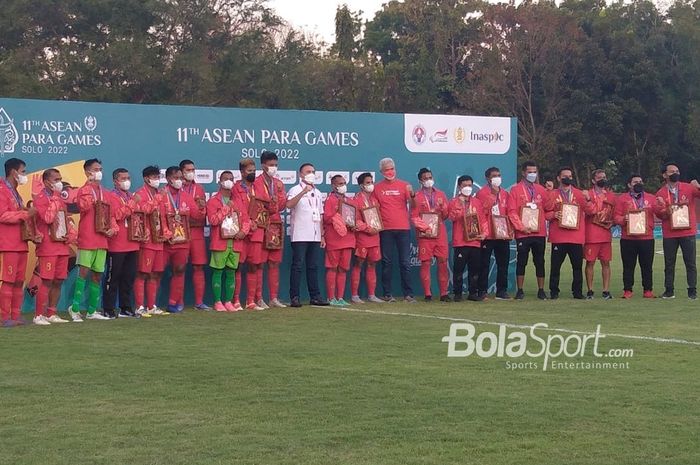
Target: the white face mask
(97, 176)
(227, 184)
(189, 175)
(22, 179)
(369, 188)
(57, 186)
(272, 171)
(177, 184)
(496, 182)
(125, 185)
(341, 189)
(310, 178)
(429, 183)
(466, 191)
(531, 177)
(154, 183)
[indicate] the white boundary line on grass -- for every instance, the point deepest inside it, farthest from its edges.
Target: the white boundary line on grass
(668, 340)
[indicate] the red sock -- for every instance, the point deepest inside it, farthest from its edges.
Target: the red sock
(42, 297)
(371, 278)
(330, 283)
(273, 280)
(239, 284)
(152, 292)
(340, 284)
(251, 278)
(355, 279)
(5, 301)
(443, 277)
(259, 285)
(50, 311)
(199, 283)
(17, 299)
(177, 288)
(139, 289)
(425, 277)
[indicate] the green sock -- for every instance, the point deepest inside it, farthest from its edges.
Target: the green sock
(78, 293)
(230, 283)
(93, 296)
(216, 284)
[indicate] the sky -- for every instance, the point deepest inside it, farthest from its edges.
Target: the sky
(318, 16)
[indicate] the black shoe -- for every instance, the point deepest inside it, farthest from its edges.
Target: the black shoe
(607, 295)
(542, 295)
(474, 298)
(457, 298)
(590, 294)
(127, 314)
(693, 295)
(520, 295)
(296, 303)
(445, 298)
(553, 295)
(579, 296)
(111, 314)
(428, 298)
(668, 295)
(319, 302)
(389, 298)
(503, 295)
(483, 295)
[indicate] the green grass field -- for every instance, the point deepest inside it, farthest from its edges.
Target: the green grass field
(327, 386)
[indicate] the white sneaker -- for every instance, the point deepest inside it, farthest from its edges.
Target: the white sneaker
(262, 304)
(155, 310)
(276, 303)
(75, 316)
(375, 300)
(142, 312)
(41, 321)
(356, 299)
(96, 316)
(56, 319)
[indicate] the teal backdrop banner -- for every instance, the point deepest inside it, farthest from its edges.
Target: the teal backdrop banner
(63, 134)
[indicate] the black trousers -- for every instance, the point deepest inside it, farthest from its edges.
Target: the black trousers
(637, 250)
(305, 253)
(526, 244)
(469, 258)
(121, 272)
(575, 254)
(501, 250)
(687, 246)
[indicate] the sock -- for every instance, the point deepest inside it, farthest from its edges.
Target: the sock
(177, 288)
(42, 297)
(341, 277)
(230, 284)
(371, 278)
(199, 283)
(237, 290)
(425, 277)
(273, 280)
(139, 289)
(216, 284)
(93, 297)
(331, 276)
(5, 301)
(355, 279)
(251, 283)
(78, 293)
(152, 292)
(258, 288)
(443, 277)
(50, 311)
(17, 299)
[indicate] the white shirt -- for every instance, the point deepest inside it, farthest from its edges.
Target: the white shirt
(302, 226)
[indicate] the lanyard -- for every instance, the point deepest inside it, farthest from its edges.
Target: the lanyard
(250, 194)
(175, 204)
(430, 199)
(189, 188)
(365, 197)
(94, 194)
(675, 193)
(467, 205)
(639, 203)
(529, 190)
(123, 196)
(15, 194)
(270, 188)
(567, 196)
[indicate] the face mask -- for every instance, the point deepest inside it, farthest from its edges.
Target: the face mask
(125, 185)
(602, 183)
(189, 175)
(177, 184)
(227, 184)
(341, 189)
(310, 178)
(531, 177)
(250, 177)
(390, 174)
(496, 182)
(675, 177)
(369, 188)
(272, 171)
(57, 186)
(154, 183)
(638, 188)
(22, 179)
(466, 191)
(429, 183)
(567, 181)
(97, 176)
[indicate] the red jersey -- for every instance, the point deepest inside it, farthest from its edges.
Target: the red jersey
(432, 201)
(122, 205)
(274, 190)
(495, 203)
(685, 195)
(628, 202)
(196, 224)
(88, 238)
(458, 208)
(47, 205)
(179, 202)
(597, 234)
(557, 234)
(335, 241)
(12, 213)
(522, 195)
(219, 208)
(362, 238)
(150, 201)
(246, 192)
(393, 198)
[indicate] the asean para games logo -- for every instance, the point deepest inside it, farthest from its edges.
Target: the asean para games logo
(90, 123)
(8, 133)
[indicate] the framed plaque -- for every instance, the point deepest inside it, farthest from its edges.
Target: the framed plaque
(102, 217)
(636, 223)
(230, 226)
(179, 225)
(28, 229)
(58, 230)
(136, 227)
(348, 212)
(569, 216)
(433, 222)
(530, 218)
(604, 218)
(156, 226)
(472, 228)
(274, 235)
(258, 212)
(501, 228)
(373, 218)
(680, 216)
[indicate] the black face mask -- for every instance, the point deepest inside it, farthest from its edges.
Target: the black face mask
(638, 188)
(250, 177)
(602, 183)
(675, 177)
(567, 181)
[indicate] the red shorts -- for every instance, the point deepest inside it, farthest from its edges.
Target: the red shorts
(13, 266)
(274, 256)
(151, 261)
(373, 254)
(175, 257)
(256, 253)
(601, 251)
(198, 252)
(339, 258)
(429, 249)
(55, 267)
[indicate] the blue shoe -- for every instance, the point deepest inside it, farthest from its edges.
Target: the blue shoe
(180, 307)
(8, 324)
(342, 303)
(203, 307)
(334, 303)
(173, 308)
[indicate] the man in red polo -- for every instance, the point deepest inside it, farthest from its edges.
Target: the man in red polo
(598, 234)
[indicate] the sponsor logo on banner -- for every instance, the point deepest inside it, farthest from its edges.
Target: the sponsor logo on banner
(419, 134)
(356, 174)
(344, 174)
(479, 135)
(287, 177)
(204, 176)
(8, 133)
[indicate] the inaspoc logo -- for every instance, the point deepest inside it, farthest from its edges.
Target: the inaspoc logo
(464, 342)
(487, 137)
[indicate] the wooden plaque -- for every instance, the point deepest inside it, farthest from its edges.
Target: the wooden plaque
(680, 216)
(604, 218)
(636, 223)
(102, 217)
(258, 212)
(28, 229)
(156, 226)
(349, 213)
(530, 218)
(274, 235)
(472, 228)
(433, 222)
(373, 218)
(569, 216)
(179, 226)
(501, 228)
(136, 227)
(230, 226)
(58, 230)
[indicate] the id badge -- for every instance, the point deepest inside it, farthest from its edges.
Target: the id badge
(495, 210)
(316, 216)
